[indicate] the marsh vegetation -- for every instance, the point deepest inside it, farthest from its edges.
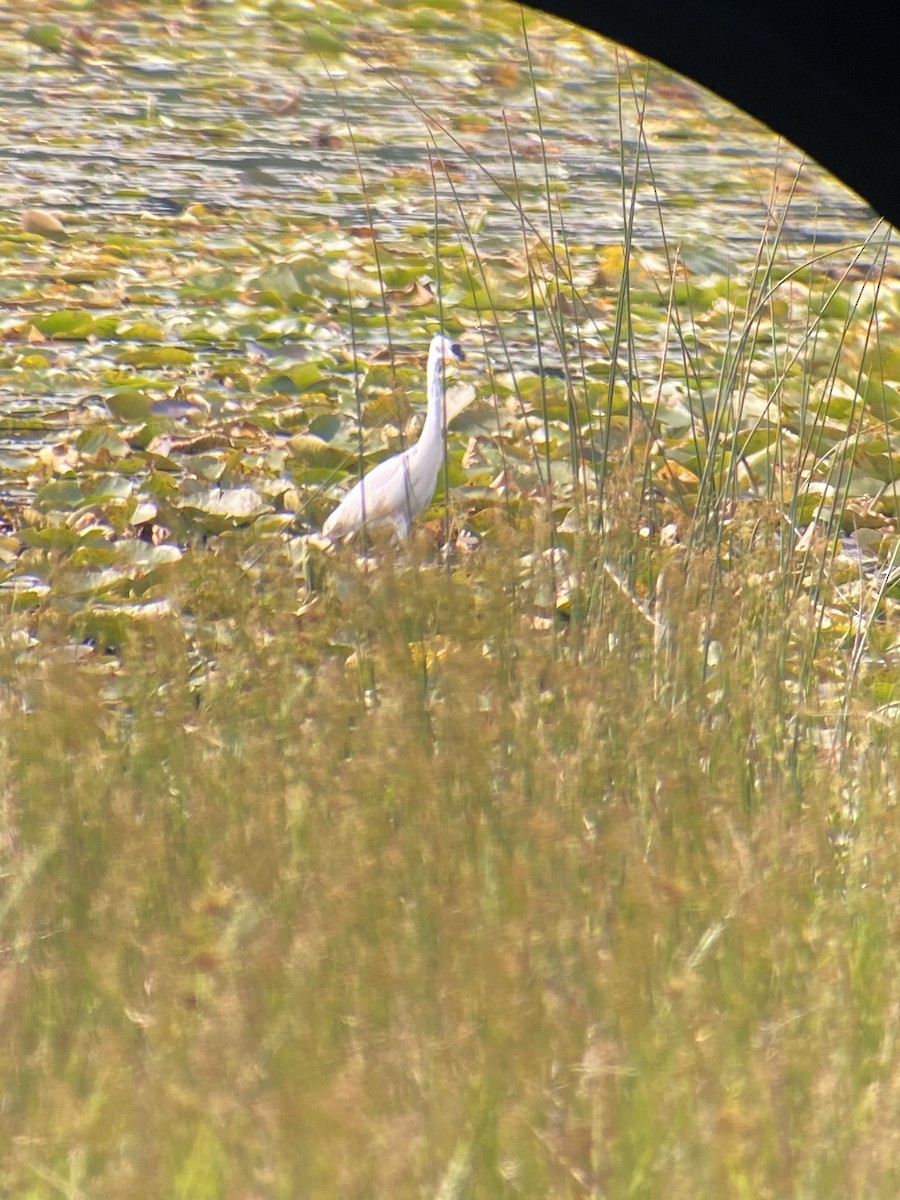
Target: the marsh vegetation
(554, 854)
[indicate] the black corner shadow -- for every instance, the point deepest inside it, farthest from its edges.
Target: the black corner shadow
(825, 77)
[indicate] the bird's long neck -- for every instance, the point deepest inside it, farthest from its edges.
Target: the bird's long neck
(431, 440)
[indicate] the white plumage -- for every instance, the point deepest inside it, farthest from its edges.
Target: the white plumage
(395, 491)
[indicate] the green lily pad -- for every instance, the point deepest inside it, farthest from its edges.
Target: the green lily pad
(46, 34)
(239, 504)
(62, 494)
(129, 404)
(142, 331)
(72, 323)
(291, 381)
(156, 356)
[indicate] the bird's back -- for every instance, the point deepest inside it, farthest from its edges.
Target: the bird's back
(382, 496)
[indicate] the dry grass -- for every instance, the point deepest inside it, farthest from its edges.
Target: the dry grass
(477, 910)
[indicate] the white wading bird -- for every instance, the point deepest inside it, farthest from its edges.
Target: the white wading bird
(396, 490)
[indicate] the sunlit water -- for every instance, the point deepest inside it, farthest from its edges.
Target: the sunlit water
(169, 113)
(230, 111)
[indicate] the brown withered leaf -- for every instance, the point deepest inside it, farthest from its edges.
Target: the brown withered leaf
(416, 295)
(44, 224)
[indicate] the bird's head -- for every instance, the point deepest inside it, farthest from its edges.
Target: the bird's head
(446, 350)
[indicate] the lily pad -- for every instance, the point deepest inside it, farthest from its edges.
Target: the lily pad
(156, 356)
(292, 381)
(239, 503)
(46, 34)
(129, 404)
(72, 323)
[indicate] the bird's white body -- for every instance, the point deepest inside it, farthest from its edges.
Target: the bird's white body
(395, 491)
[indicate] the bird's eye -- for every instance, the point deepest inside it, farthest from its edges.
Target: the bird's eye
(456, 351)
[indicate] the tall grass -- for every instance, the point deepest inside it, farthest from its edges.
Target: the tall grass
(568, 871)
(474, 910)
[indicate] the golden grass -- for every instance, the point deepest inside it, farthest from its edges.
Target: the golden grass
(417, 893)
